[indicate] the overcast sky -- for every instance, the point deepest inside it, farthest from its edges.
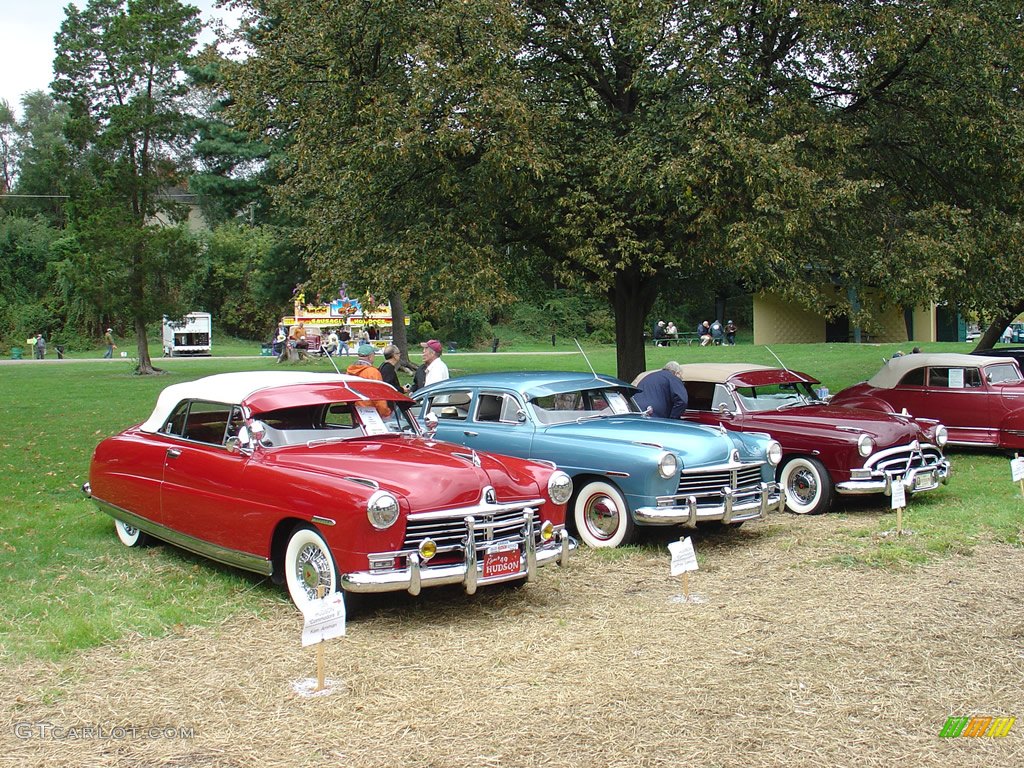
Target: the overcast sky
(27, 28)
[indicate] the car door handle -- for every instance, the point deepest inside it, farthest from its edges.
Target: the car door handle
(173, 453)
(467, 433)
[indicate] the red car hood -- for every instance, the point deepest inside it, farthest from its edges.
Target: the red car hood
(430, 475)
(886, 429)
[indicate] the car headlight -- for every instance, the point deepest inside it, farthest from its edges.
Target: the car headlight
(941, 435)
(774, 453)
(668, 465)
(865, 445)
(382, 510)
(559, 487)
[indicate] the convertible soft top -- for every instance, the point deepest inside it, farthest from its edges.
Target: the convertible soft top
(892, 372)
(269, 390)
(743, 374)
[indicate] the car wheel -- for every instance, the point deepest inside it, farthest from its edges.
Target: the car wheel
(601, 516)
(308, 564)
(129, 536)
(807, 484)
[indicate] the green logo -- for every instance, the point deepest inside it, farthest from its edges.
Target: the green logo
(976, 727)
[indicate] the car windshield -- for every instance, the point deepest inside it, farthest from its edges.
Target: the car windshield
(772, 397)
(1001, 373)
(336, 421)
(582, 404)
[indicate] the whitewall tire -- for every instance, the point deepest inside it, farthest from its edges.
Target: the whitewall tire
(601, 517)
(807, 484)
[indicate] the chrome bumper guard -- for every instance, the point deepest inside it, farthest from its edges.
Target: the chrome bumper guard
(469, 573)
(916, 480)
(676, 510)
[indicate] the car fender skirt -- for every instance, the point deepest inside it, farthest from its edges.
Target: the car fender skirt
(244, 560)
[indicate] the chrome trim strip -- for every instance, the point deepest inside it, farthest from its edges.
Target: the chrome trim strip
(323, 520)
(478, 509)
(244, 560)
(469, 561)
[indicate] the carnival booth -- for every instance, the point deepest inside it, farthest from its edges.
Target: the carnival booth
(344, 314)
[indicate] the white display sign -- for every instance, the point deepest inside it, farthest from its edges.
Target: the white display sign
(373, 424)
(683, 557)
(956, 378)
(899, 495)
(325, 620)
(1017, 468)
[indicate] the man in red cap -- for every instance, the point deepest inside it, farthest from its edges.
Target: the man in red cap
(435, 370)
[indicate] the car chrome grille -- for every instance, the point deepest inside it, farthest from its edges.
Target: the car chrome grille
(707, 486)
(450, 532)
(896, 461)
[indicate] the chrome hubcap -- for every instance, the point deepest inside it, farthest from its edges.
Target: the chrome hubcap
(602, 516)
(803, 486)
(313, 570)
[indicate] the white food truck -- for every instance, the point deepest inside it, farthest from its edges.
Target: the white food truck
(192, 336)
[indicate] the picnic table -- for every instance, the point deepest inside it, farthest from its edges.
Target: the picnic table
(686, 337)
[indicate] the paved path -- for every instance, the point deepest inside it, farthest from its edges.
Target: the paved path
(52, 359)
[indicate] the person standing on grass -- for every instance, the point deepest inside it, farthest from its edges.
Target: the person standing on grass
(108, 339)
(389, 368)
(436, 369)
(39, 346)
(663, 392)
(363, 368)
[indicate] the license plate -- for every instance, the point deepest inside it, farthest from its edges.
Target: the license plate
(923, 480)
(501, 560)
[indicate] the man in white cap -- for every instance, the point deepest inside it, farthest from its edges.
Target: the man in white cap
(435, 369)
(108, 339)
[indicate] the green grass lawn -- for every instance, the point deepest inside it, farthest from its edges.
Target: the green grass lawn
(69, 584)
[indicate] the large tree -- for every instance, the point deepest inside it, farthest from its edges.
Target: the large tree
(119, 68)
(803, 146)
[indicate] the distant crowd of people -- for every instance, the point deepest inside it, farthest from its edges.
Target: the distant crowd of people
(708, 333)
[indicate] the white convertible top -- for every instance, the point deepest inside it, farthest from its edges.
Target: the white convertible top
(232, 388)
(893, 371)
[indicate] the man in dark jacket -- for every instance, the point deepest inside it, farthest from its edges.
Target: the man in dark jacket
(662, 391)
(389, 368)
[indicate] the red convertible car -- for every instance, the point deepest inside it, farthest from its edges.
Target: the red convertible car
(326, 481)
(825, 449)
(979, 399)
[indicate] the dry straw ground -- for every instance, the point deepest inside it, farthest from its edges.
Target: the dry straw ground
(790, 661)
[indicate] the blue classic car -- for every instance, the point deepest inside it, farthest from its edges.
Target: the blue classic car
(628, 469)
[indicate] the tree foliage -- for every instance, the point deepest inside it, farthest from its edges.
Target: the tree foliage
(119, 68)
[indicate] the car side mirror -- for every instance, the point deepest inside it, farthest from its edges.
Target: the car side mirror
(431, 422)
(723, 410)
(521, 416)
(234, 443)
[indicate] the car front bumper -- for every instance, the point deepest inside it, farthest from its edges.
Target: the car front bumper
(418, 572)
(732, 508)
(916, 479)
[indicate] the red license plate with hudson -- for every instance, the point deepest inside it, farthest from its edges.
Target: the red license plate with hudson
(501, 560)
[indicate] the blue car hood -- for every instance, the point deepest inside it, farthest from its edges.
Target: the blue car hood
(695, 444)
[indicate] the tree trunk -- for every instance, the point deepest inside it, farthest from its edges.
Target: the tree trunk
(991, 335)
(631, 298)
(398, 332)
(145, 365)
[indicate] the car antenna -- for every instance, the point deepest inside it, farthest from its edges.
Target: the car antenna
(585, 358)
(331, 358)
(779, 359)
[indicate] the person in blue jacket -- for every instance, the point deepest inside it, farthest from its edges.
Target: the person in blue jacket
(662, 391)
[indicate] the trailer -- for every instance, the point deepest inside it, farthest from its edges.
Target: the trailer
(193, 335)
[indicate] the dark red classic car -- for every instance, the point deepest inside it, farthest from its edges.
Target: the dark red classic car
(326, 481)
(825, 449)
(979, 399)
